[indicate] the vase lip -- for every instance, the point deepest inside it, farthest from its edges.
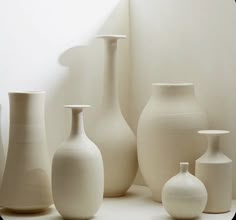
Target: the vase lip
(213, 132)
(172, 84)
(111, 36)
(27, 92)
(77, 106)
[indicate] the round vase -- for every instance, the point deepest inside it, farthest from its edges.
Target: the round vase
(26, 185)
(184, 196)
(77, 172)
(2, 156)
(214, 169)
(112, 134)
(167, 133)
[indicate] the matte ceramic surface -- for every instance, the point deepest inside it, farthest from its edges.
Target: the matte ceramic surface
(26, 183)
(214, 169)
(2, 156)
(77, 172)
(112, 134)
(184, 196)
(167, 133)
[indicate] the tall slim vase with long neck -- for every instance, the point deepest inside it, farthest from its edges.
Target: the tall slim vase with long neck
(214, 169)
(77, 172)
(26, 185)
(112, 134)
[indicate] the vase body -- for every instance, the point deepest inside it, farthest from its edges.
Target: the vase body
(77, 173)
(112, 134)
(184, 196)
(214, 169)
(2, 156)
(26, 185)
(167, 133)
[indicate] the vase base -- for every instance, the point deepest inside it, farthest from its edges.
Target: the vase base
(215, 212)
(115, 194)
(26, 211)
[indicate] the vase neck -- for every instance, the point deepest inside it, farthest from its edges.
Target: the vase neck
(173, 90)
(77, 126)
(184, 167)
(213, 144)
(110, 94)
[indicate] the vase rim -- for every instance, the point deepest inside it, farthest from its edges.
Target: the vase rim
(172, 84)
(213, 132)
(27, 92)
(111, 36)
(77, 106)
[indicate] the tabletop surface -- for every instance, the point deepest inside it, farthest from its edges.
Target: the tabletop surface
(136, 205)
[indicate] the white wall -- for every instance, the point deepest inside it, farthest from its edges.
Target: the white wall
(187, 41)
(40, 50)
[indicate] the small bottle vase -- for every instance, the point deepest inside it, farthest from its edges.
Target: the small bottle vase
(214, 169)
(77, 172)
(184, 196)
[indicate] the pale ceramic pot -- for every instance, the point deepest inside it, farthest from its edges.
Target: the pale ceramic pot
(77, 172)
(26, 185)
(167, 133)
(2, 156)
(112, 134)
(214, 169)
(184, 196)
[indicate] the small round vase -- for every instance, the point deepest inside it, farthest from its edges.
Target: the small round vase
(167, 133)
(77, 172)
(184, 196)
(112, 134)
(214, 169)
(26, 184)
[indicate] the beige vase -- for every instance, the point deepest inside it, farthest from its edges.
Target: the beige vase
(184, 196)
(167, 133)
(111, 132)
(214, 169)
(2, 156)
(77, 172)
(26, 184)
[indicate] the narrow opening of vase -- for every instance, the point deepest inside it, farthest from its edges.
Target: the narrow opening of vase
(184, 167)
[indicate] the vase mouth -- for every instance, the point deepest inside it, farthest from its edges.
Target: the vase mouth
(77, 106)
(172, 84)
(213, 132)
(111, 36)
(27, 92)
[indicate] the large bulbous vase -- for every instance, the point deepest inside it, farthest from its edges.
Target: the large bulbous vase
(167, 133)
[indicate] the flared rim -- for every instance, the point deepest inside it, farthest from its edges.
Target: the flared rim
(77, 106)
(213, 132)
(112, 36)
(172, 84)
(27, 92)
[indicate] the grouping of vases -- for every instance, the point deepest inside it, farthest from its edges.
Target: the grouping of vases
(84, 171)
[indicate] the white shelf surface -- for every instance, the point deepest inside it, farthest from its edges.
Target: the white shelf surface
(136, 205)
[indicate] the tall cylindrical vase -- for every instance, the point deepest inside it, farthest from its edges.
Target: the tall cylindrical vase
(214, 169)
(167, 133)
(26, 180)
(77, 172)
(2, 156)
(112, 134)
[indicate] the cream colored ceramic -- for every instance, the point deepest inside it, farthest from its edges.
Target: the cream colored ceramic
(26, 184)
(184, 196)
(214, 169)
(167, 133)
(77, 172)
(111, 132)
(2, 156)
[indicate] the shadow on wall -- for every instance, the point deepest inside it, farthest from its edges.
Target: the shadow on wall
(82, 82)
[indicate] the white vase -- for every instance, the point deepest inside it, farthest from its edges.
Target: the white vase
(26, 185)
(184, 196)
(77, 172)
(2, 156)
(214, 169)
(167, 133)
(112, 134)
